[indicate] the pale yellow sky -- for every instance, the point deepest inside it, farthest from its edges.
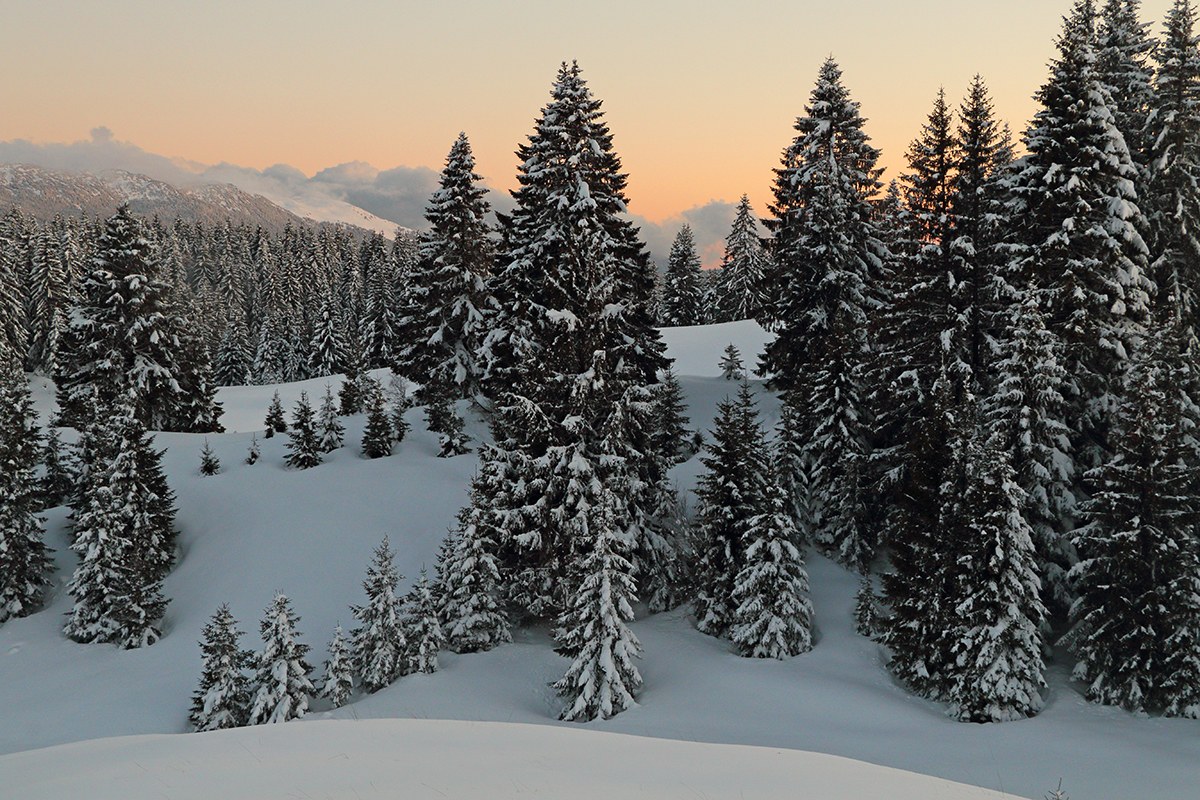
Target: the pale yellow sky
(701, 96)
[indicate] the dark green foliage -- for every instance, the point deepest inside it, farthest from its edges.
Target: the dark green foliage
(223, 697)
(683, 295)
(1136, 623)
(377, 435)
(209, 463)
(304, 443)
(275, 422)
(24, 558)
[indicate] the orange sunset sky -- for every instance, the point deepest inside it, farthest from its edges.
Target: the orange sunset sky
(701, 96)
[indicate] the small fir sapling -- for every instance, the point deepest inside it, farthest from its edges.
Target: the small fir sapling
(253, 452)
(209, 463)
(442, 418)
(339, 674)
(377, 435)
(398, 402)
(281, 685)
(304, 449)
(223, 698)
(422, 632)
(275, 423)
(731, 366)
(329, 427)
(866, 609)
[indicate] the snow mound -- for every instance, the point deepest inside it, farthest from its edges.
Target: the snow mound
(399, 758)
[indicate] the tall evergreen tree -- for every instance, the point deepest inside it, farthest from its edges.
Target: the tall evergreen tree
(1076, 231)
(738, 292)
(281, 685)
(24, 558)
(827, 261)
(1123, 48)
(1136, 624)
(573, 345)
(378, 643)
(449, 302)
(1173, 180)
(377, 435)
(223, 697)
(682, 295)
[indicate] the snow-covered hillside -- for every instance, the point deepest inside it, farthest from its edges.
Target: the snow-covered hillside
(252, 530)
(440, 759)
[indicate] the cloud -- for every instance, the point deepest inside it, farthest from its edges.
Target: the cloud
(100, 153)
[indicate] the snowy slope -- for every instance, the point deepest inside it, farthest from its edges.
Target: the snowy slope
(252, 530)
(435, 759)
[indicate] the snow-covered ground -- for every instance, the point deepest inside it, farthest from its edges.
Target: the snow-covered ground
(252, 530)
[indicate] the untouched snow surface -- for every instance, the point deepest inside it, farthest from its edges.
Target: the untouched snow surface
(438, 759)
(252, 530)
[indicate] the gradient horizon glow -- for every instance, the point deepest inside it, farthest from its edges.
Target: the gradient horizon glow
(700, 96)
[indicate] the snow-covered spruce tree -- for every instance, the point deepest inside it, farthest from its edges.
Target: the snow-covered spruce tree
(327, 352)
(223, 697)
(422, 631)
(592, 631)
(124, 332)
(1136, 623)
(682, 296)
(574, 286)
(997, 670)
(49, 294)
(377, 435)
(448, 302)
(379, 329)
(233, 365)
(350, 397)
(303, 444)
(772, 613)
(1173, 181)
(24, 558)
(124, 535)
(827, 260)
(275, 421)
(738, 292)
(339, 673)
(209, 463)
(280, 686)
(1123, 49)
(1026, 412)
(378, 644)
(924, 542)
(330, 430)
(673, 437)
(1076, 234)
(56, 485)
(731, 366)
(791, 470)
(729, 494)
(471, 619)
(442, 418)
